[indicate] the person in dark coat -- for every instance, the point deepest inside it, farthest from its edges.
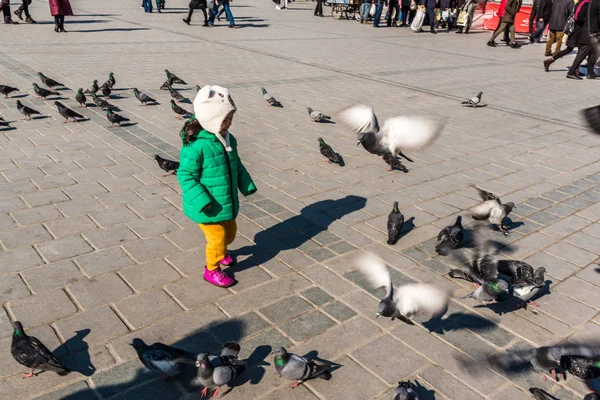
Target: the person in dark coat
(319, 8)
(544, 13)
(533, 15)
(508, 20)
(430, 12)
(59, 9)
(393, 12)
(197, 5)
(405, 7)
(585, 38)
(378, 11)
(469, 7)
(561, 9)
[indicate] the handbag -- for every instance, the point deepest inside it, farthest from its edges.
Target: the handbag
(445, 15)
(462, 18)
(570, 25)
(438, 15)
(372, 10)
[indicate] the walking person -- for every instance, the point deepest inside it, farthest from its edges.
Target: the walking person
(5, 4)
(561, 10)
(24, 8)
(378, 11)
(533, 15)
(430, 12)
(365, 8)
(197, 5)
(59, 9)
(319, 8)
(211, 174)
(393, 12)
(469, 8)
(508, 20)
(587, 24)
(215, 12)
(405, 12)
(544, 13)
(447, 15)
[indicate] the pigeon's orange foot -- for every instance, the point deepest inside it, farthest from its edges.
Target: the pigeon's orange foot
(476, 285)
(216, 393)
(389, 169)
(533, 303)
(29, 375)
(204, 392)
(295, 385)
(544, 377)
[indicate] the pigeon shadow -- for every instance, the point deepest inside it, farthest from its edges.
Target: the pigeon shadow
(252, 25)
(78, 357)
(7, 128)
(255, 370)
(597, 270)
(314, 355)
(423, 392)
(117, 97)
(327, 121)
(456, 322)
(40, 117)
(19, 96)
(115, 108)
(109, 30)
(125, 125)
(76, 21)
(295, 231)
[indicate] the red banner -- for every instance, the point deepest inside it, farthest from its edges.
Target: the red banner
(491, 19)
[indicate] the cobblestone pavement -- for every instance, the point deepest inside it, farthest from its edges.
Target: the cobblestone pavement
(95, 249)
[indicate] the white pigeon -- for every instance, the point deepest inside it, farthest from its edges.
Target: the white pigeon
(473, 101)
(410, 299)
(397, 133)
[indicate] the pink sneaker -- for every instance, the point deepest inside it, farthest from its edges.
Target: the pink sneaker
(217, 278)
(227, 260)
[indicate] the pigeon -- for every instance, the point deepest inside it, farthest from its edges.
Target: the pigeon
(370, 143)
(396, 134)
(492, 210)
(168, 82)
(591, 116)
(526, 282)
(473, 101)
(106, 91)
(26, 111)
(81, 99)
(582, 368)
(316, 115)
(592, 396)
(30, 352)
(270, 99)
(394, 224)
(405, 391)
(43, 93)
(48, 81)
(197, 88)
(160, 357)
(115, 118)
(103, 104)
(174, 77)
(94, 89)
(482, 269)
(216, 371)
(328, 152)
(181, 112)
(67, 112)
(167, 165)
(143, 97)
(176, 95)
(6, 90)
(410, 299)
(394, 162)
(110, 83)
(450, 238)
(296, 368)
(540, 394)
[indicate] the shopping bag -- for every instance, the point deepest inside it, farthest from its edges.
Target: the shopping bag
(462, 18)
(372, 10)
(417, 22)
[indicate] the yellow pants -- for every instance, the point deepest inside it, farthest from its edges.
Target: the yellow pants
(218, 236)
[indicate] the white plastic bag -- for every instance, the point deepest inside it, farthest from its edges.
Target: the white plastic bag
(372, 10)
(417, 22)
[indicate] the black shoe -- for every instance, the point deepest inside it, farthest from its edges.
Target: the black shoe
(433, 31)
(515, 46)
(459, 30)
(187, 21)
(592, 76)
(491, 43)
(56, 28)
(531, 40)
(573, 76)
(206, 24)
(11, 22)
(218, 18)
(547, 64)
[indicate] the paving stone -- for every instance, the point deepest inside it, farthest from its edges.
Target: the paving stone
(554, 266)
(121, 377)
(448, 384)
(77, 391)
(52, 276)
(148, 249)
(42, 308)
(566, 226)
(18, 260)
(581, 290)
(61, 249)
(285, 309)
(70, 226)
(317, 296)
(195, 291)
(539, 203)
(244, 326)
(565, 309)
(571, 253)
(113, 216)
(12, 287)
(556, 195)
(349, 381)
(37, 215)
(6, 328)
(307, 326)
(270, 337)
(145, 308)
(152, 274)
(99, 290)
(150, 227)
(591, 274)
(109, 237)
(339, 311)
(26, 236)
(585, 241)
(103, 261)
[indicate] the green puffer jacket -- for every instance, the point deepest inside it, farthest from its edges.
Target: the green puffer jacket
(210, 175)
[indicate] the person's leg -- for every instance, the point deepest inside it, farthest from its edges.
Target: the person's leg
(189, 17)
(378, 12)
(471, 13)
(230, 231)
(582, 53)
(205, 17)
(559, 39)
(229, 14)
(562, 53)
(215, 244)
(498, 31)
(390, 15)
(213, 13)
(405, 13)
(550, 42)
(320, 3)
(316, 9)
(592, 59)
(364, 11)
(537, 34)
(431, 14)
(62, 24)
(513, 41)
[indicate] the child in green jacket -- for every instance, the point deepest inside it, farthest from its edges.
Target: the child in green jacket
(210, 174)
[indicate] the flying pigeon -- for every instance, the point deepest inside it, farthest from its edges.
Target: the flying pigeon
(410, 299)
(174, 77)
(30, 352)
(492, 210)
(394, 162)
(143, 97)
(473, 101)
(106, 91)
(94, 88)
(167, 165)
(26, 111)
(103, 104)
(396, 134)
(450, 238)
(181, 112)
(6, 90)
(482, 269)
(328, 152)
(160, 357)
(526, 282)
(176, 95)
(81, 99)
(371, 143)
(197, 88)
(115, 118)
(406, 390)
(43, 93)
(48, 81)
(316, 115)
(66, 112)
(216, 371)
(296, 368)
(592, 117)
(540, 394)
(270, 99)
(168, 82)
(394, 224)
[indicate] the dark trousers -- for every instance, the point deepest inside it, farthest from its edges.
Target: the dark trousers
(25, 8)
(539, 31)
(563, 53)
(393, 12)
(585, 51)
(405, 13)
(189, 17)
(319, 8)
(431, 18)
(6, 12)
(502, 27)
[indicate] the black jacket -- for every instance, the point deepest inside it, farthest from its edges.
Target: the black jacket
(561, 9)
(511, 10)
(544, 10)
(430, 4)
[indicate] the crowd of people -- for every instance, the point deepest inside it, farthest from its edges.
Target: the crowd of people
(58, 9)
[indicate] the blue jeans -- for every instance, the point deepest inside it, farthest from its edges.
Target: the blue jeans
(215, 11)
(378, 12)
(364, 11)
(147, 5)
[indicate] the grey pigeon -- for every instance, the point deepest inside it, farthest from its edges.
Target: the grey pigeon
(394, 163)
(115, 118)
(217, 371)
(482, 269)
(48, 81)
(540, 394)
(169, 166)
(328, 152)
(473, 101)
(168, 82)
(296, 368)
(66, 112)
(410, 299)
(162, 358)
(317, 116)
(110, 83)
(406, 390)
(81, 99)
(106, 91)
(181, 112)
(371, 143)
(175, 94)
(396, 134)
(30, 352)
(583, 368)
(26, 111)
(450, 238)
(94, 88)
(270, 99)
(103, 104)
(394, 224)
(6, 90)
(143, 97)
(43, 93)
(174, 78)
(526, 282)
(492, 210)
